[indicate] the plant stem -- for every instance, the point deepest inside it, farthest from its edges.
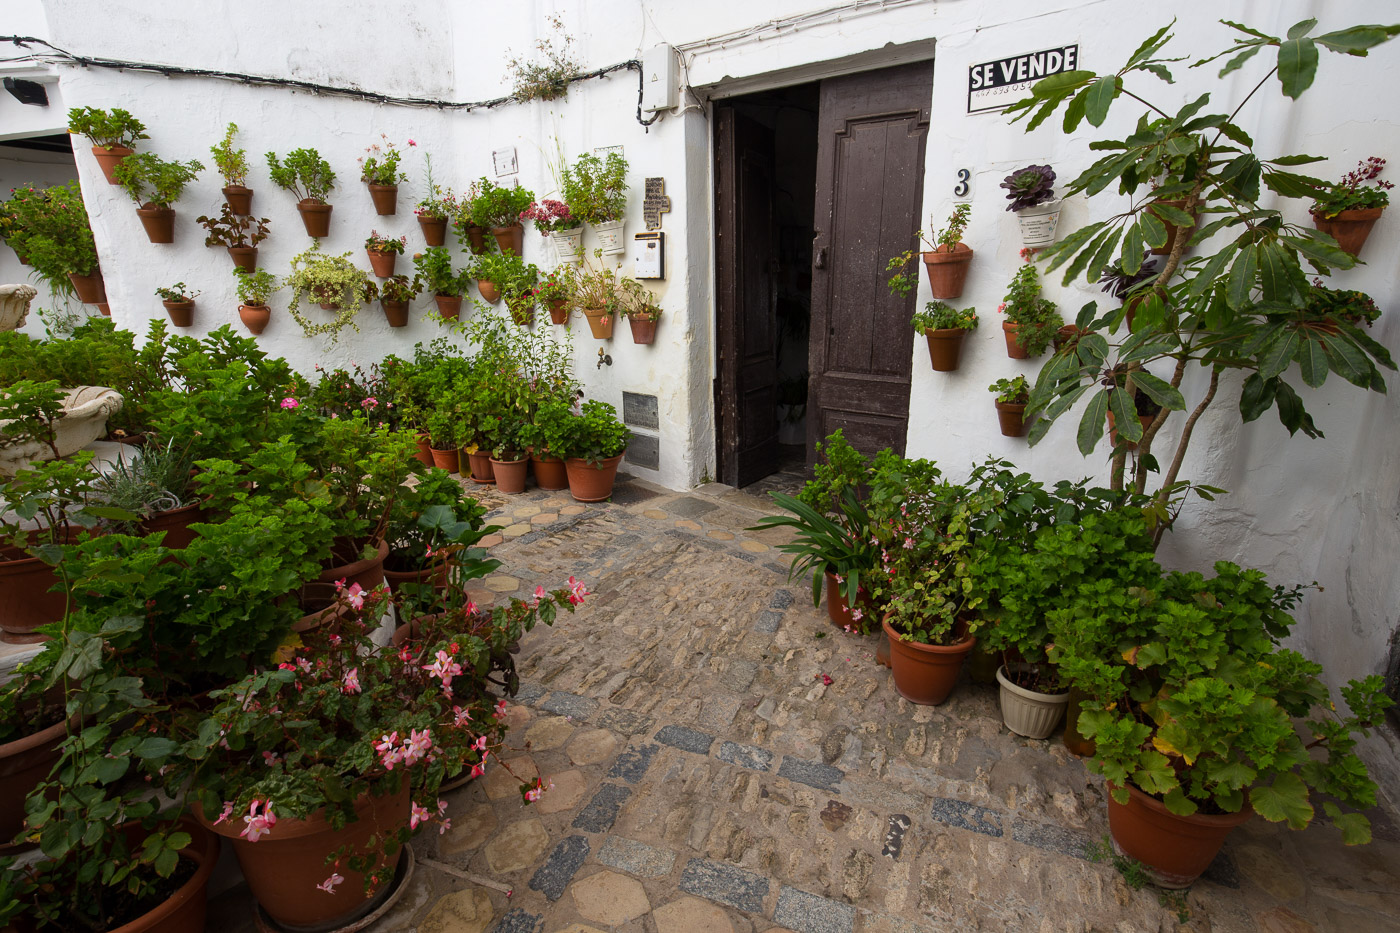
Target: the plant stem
(1164, 494)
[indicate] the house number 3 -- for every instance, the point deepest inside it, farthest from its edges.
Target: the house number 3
(963, 188)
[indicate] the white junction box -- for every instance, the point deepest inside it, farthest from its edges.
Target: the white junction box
(660, 79)
(649, 255)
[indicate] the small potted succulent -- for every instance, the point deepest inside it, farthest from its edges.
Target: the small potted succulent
(179, 303)
(596, 192)
(112, 134)
(1031, 321)
(239, 233)
(155, 185)
(553, 291)
(436, 209)
(253, 291)
(1349, 209)
(640, 307)
(946, 260)
(1031, 191)
(596, 446)
(379, 168)
(553, 220)
(333, 282)
(1012, 396)
(498, 209)
(310, 179)
(233, 166)
(944, 327)
(394, 294)
(383, 252)
(447, 284)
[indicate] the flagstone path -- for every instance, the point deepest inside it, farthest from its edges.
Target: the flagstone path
(706, 778)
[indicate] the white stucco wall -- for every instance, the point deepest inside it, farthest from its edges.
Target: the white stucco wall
(1300, 509)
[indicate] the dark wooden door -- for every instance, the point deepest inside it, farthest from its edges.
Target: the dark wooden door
(870, 168)
(747, 392)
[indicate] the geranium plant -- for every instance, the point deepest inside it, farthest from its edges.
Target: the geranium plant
(549, 215)
(397, 288)
(939, 315)
(176, 292)
(1035, 316)
(434, 266)
(55, 234)
(596, 190)
(153, 182)
(380, 164)
(599, 434)
(1353, 192)
(232, 163)
(1013, 391)
(902, 282)
(255, 287)
(494, 205)
(385, 244)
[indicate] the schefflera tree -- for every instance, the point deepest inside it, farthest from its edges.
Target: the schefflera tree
(1242, 303)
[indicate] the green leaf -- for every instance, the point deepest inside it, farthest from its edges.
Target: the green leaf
(1150, 46)
(154, 747)
(1273, 273)
(1074, 113)
(1238, 61)
(1160, 391)
(1356, 829)
(1284, 800)
(1125, 419)
(1278, 354)
(1131, 256)
(1291, 185)
(1101, 95)
(1242, 275)
(1357, 39)
(1064, 81)
(1297, 160)
(1297, 66)
(118, 624)
(1312, 361)
(1249, 29)
(1299, 30)
(107, 770)
(1091, 425)
(1158, 70)
(1347, 360)
(1206, 277)
(1291, 413)
(1233, 133)
(1154, 232)
(1172, 215)
(111, 512)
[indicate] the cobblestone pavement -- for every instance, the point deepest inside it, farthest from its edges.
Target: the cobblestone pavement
(706, 779)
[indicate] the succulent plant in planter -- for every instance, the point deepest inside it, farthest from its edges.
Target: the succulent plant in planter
(1031, 191)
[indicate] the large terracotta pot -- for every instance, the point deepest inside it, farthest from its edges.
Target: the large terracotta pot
(434, 230)
(449, 306)
(510, 474)
(185, 910)
(284, 867)
(108, 157)
(315, 217)
(947, 271)
(424, 453)
(320, 605)
(489, 292)
(589, 483)
(436, 575)
(395, 312)
(90, 288)
(643, 332)
(255, 317)
(482, 469)
(159, 223)
(925, 674)
(510, 239)
(445, 459)
(244, 257)
(550, 472)
(1029, 712)
(382, 262)
(839, 612)
(386, 199)
(1172, 231)
(369, 573)
(1013, 349)
(600, 322)
(25, 600)
(24, 763)
(239, 199)
(944, 347)
(176, 525)
(1349, 228)
(1012, 418)
(181, 312)
(1175, 850)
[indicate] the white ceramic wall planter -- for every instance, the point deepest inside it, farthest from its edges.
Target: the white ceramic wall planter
(610, 236)
(1038, 224)
(1026, 712)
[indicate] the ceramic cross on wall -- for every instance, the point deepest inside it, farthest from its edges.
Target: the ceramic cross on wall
(655, 203)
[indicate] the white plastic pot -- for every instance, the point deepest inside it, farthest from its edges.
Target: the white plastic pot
(568, 244)
(1038, 223)
(610, 236)
(1025, 712)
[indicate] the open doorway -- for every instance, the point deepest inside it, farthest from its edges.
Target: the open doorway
(766, 148)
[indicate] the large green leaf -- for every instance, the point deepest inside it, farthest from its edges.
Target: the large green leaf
(1091, 425)
(1242, 276)
(1297, 66)
(1238, 61)
(1257, 397)
(1312, 361)
(1125, 419)
(1301, 29)
(1150, 46)
(1206, 276)
(1074, 113)
(1355, 40)
(1284, 800)
(1279, 353)
(1160, 391)
(1101, 95)
(1347, 360)
(1274, 280)
(1172, 215)
(1130, 258)
(1356, 829)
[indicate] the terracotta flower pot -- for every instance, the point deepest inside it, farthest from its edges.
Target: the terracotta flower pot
(346, 564)
(315, 217)
(176, 525)
(435, 575)
(284, 867)
(24, 763)
(510, 474)
(550, 472)
(25, 600)
(476, 240)
(108, 158)
(1349, 228)
(395, 312)
(839, 611)
(255, 317)
(449, 306)
(90, 288)
(643, 332)
(434, 230)
(181, 312)
(184, 911)
(445, 459)
(159, 223)
(1172, 231)
(489, 292)
(1012, 417)
(925, 674)
(510, 239)
(558, 310)
(321, 606)
(600, 322)
(944, 347)
(244, 257)
(386, 199)
(522, 310)
(1073, 738)
(424, 453)
(947, 270)
(589, 483)
(1029, 712)
(1175, 850)
(382, 262)
(482, 469)
(239, 199)
(1013, 348)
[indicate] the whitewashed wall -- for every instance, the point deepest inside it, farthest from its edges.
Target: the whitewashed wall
(1300, 509)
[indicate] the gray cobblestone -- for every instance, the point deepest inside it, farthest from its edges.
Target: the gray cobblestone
(968, 816)
(781, 599)
(811, 773)
(553, 877)
(633, 763)
(745, 756)
(1049, 836)
(626, 721)
(739, 675)
(518, 921)
(686, 739)
(569, 704)
(809, 913)
(768, 622)
(601, 812)
(724, 884)
(636, 858)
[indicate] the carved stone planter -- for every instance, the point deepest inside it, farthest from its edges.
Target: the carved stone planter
(85, 413)
(14, 305)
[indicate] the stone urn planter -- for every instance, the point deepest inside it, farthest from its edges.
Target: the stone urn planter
(14, 305)
(85, 413)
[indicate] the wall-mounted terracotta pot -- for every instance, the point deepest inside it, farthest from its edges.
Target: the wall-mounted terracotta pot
(386, 199)
(159, 223)
(315, 217)
(239, 199)
(255, 317)
(108, 157)
(244, 257)
(510, 239)
(947, 270)
(434, 230)
(181, 312)
(382, 262)
(395, 312)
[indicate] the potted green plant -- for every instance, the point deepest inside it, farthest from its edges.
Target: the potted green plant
(513, 279)
(240, 234)
(33, 727)
(379, 168)
(596, 193)
(1031, 320)
(498, 209)
(423, 520)
(58, 242)
(394, 294)
(333, 282)
(641, 309)
(233, 166)
(946, 259)
(1012, 396)
(553, 291)
(549, 431)
(447, 284)
(468, 230)
(179, 304)
(438, 206)
(157, 490)
(597, 444)
(383, 251)
(944, 327)
(597, 292)
(510, 459)
(554, 220)
(111, 132)
(253, 291)
(1347, 210)
(154, 185)
(310, 179)
(1128, 287)
(1031, 191)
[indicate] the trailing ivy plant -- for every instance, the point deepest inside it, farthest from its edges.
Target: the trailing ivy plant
(330, 280)
(1241, 306)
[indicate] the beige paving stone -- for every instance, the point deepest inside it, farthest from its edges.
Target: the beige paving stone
(466, 911)
(573, 510)
(525, 511)
(609, 898)
(579, 928)
(551, 732)
(502, 583)
(482, 597)
(469, 830)
(656, 514)
(754, 547)
(517, 847)
(1283, 920)
(720, 535)
(516, 530)
(593, 746)
(517, 716)
(687, 524)
(491, 540)
(691, 915)
(500, 783)
(1269, 871)
(544, 518)
(565, 790)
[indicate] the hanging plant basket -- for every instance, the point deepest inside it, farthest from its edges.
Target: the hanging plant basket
(386, 199)
(255, 317)
(568, 244)
(510, 239)
(315, 217)
(244, 257)
(434, 230)
(395, 312)
(181, 312)
(945, 347)
(947, 270)
(1349, 228)
(610, 236)
(159, 223)
(107, 159)
(1038, 224)
(600, 322)
(239, 199)
(382, 262)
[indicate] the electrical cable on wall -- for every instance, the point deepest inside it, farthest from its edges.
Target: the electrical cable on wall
(63, 56)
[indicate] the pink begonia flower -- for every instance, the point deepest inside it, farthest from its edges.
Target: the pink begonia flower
(290, 402)
(418, 746)
(442, 806)
(258, 824)
(389, 752)
(540, 593)
(370, 402)
(417, 814)
(445, 668)
(227, 812)
(471, 607)
(355, 596)
(352, 681)
(446, 825)
(478, 770)
(857, 615)
(461, 717)
(329, 884)
(480, 743)
(412, 143)
(500, 711)
(577, 591)
(270, 758)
